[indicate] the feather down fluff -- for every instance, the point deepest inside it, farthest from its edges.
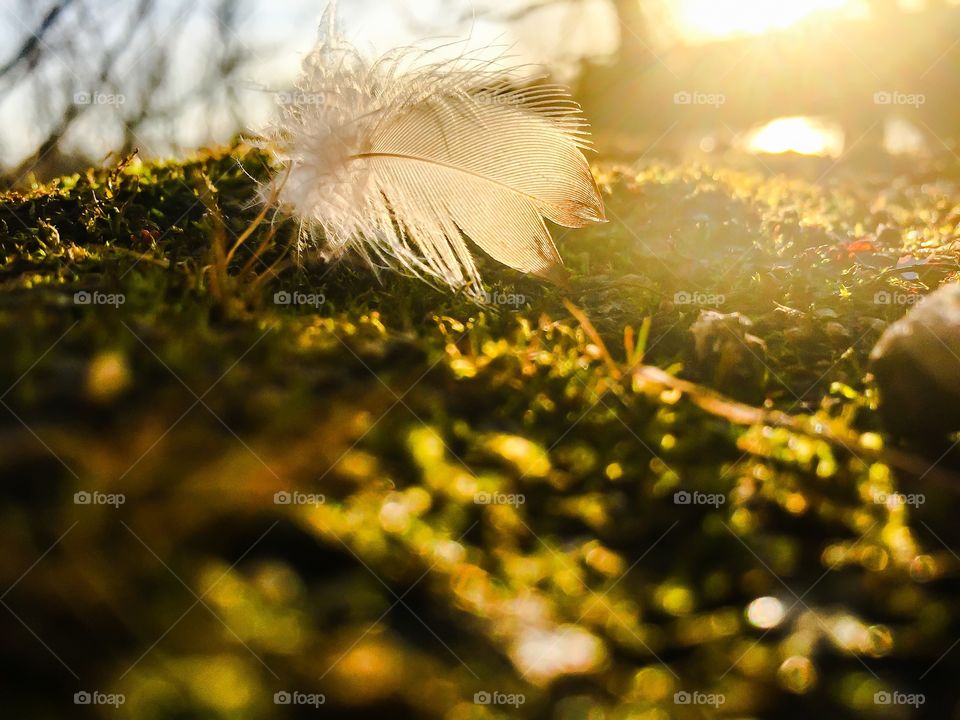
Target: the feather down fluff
(401, 157)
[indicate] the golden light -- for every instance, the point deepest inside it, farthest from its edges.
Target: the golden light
(803, 135)
(711, 19)
(765, 612)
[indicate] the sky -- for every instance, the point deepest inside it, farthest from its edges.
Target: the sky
(276, 34)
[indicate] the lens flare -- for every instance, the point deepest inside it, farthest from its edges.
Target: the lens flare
(712, 19)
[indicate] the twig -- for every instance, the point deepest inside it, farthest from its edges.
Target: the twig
(739, 413)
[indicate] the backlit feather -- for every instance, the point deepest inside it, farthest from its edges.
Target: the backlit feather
(401, 157)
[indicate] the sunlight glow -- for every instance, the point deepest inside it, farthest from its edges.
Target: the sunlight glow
(803, 135)
(712, 19)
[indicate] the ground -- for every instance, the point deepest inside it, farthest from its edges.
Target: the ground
(664, 492)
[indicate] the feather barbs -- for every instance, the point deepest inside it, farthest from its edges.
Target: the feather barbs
(403, 157)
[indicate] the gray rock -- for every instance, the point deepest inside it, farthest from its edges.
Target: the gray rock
(917, 366)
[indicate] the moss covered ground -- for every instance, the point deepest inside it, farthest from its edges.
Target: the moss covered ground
(664, 492)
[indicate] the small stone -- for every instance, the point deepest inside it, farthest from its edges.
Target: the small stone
(723, 342)
(917, 367)
(837, 331)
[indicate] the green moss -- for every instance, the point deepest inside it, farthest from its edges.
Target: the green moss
(493, 467)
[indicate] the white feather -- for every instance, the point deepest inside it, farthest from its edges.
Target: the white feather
(401, 157)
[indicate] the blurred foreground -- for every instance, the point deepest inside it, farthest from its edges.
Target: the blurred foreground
(227, 477)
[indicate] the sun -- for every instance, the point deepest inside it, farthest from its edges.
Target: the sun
(802, 135)
(712, 19)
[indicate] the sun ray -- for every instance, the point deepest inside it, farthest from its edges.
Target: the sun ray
(713, 19)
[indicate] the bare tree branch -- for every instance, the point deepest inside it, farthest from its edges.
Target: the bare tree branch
(30, 49)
